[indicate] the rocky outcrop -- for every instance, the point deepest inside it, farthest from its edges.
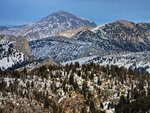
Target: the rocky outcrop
(14, 51)
(22, 44)
(71, 33)
(126, 35)
(19, 43)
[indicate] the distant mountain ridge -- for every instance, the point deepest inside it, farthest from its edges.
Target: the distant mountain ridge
(118, 36)
(3, 28)
(49, 26)
(63, 37)
(126, 35)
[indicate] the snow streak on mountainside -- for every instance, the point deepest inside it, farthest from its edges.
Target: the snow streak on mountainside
(49, 26)
(81, 61)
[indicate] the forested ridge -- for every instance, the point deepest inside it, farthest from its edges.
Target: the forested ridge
(89, 88)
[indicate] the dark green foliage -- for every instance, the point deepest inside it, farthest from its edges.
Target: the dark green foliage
(75, 85)
(91, 76)
(71, 79)
(99, 82)
(101, 105)
(28, 84)
(32, 84)
(84, 89)
(92, 107)
(84, 109)
(79, 73)
(87, 72)
(3, 85)
(77, 65)
(140, 105)
(47, 102)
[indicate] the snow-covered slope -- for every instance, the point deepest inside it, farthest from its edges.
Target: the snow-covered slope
(89, 36)
(51, 25)
(63, 49)
(135, 60)
(80, 60)
(3, 28)
(10, 57)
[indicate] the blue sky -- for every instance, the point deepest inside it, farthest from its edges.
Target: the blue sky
(19, 12)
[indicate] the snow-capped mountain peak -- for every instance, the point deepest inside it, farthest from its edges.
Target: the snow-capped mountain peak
(49, 26)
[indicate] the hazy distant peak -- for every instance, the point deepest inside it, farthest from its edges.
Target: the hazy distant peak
(61, 12)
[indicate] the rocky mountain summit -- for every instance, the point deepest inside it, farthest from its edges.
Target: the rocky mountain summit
(49, 26)
(126, 35)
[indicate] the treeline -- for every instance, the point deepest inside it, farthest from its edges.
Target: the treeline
(94, 68)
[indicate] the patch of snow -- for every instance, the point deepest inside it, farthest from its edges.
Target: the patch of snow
(97, 28)
(80, 60)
